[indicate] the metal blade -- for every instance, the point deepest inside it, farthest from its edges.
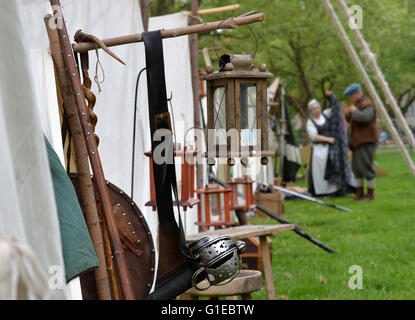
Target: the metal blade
(303, 196)
(271, 214)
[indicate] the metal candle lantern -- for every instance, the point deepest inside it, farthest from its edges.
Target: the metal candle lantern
(214, 198)
(237, 109)
(187, 199)
(248, 202)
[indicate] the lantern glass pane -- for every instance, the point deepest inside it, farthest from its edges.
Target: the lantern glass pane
(219, 108)
(217, 205)
(248, 115)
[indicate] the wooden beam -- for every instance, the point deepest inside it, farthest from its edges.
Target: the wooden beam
(209, 49)
(274, 86)
(145, 13)
(267, 267)
(194, 60)
(230, 23)
(216, 10)
(206, 57)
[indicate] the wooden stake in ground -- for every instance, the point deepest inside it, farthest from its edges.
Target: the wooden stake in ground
(81, 157)
(371, 59)
(371, 88)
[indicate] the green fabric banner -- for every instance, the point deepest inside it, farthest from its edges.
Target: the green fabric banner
(78, 252)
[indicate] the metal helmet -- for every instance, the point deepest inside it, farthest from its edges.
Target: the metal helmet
(219, 258)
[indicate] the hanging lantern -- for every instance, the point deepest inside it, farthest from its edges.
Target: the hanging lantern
(187, 189)
(237, 109)
(242, 186)
(214, 199)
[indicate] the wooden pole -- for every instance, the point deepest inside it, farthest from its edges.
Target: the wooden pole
(216, 10)
(209, 49)
(110, 265)
(267, 267)
(81, 157)
(194, 61)
(99, 178)
(371, 59)
(372, 90)
(281, 135)
(145, 13)
(206, 57)
(230, 23)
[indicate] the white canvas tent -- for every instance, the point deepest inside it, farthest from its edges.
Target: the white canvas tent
(114, 107)
(115, 104)
(28, 211)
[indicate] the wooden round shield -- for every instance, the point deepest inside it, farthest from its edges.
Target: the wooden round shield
(136, 240)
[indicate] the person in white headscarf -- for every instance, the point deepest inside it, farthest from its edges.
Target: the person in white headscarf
(318, 131)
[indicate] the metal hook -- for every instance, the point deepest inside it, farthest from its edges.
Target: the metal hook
(172, 115)
(171, 97)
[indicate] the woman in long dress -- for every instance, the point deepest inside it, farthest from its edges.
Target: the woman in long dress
(318, 130)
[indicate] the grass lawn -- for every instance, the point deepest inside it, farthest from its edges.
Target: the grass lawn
(377, 236)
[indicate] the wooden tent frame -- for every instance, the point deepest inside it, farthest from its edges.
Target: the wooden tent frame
(371, 59)
(368, 82)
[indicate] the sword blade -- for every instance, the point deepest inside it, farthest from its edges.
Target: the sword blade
(271, 214)
(303, 196)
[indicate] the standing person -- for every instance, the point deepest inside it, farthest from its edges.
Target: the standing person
(362, 140)
(318, 131)
(338, 168)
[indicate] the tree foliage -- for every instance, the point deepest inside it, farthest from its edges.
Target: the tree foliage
(299, 43)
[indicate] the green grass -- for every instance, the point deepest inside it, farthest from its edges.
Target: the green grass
(378, 236)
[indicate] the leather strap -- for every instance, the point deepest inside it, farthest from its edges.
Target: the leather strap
(165, 174)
